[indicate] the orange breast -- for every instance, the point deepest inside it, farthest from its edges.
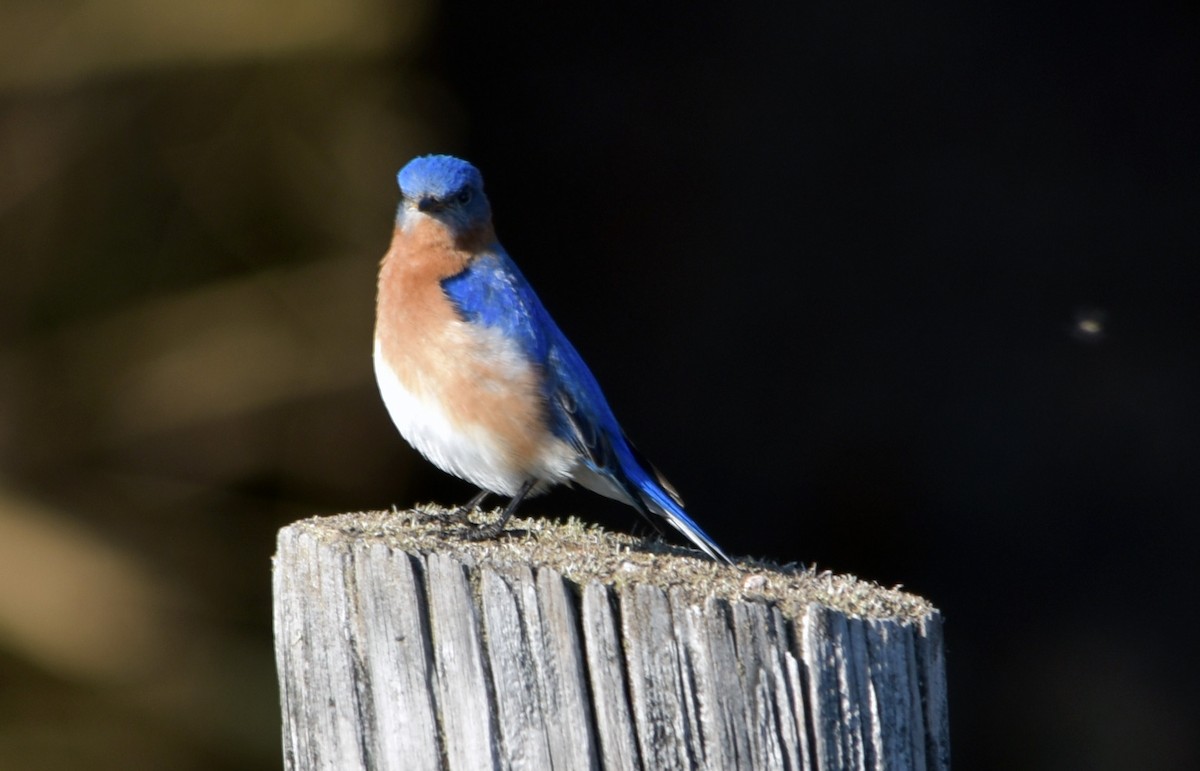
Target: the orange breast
(476, 377)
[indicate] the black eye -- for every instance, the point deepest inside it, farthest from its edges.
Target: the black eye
(464, 195)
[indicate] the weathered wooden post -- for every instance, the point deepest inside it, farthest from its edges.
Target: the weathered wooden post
(401, 646)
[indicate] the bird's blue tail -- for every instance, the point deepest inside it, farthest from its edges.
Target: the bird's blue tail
(662, 502)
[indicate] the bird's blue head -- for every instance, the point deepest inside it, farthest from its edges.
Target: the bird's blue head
(446, 188)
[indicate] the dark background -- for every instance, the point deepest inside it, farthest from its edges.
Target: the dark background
(906, 292)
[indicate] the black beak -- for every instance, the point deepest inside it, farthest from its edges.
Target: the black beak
(429, 203)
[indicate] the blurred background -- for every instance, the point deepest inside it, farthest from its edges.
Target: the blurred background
(907, 292)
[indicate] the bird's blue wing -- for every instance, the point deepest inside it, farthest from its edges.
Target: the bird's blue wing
(582, 415)
(492, 292)
(586, 420)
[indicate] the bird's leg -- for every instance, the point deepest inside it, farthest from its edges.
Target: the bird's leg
(462, 512)
(484, 532)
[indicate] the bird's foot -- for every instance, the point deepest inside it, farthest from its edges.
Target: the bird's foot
(493, 529)
(461, 515)
(484, 532)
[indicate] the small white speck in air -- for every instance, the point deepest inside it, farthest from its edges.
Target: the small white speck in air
(1090, 325)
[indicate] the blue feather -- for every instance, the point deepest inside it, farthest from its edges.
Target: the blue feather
(438, 175)
(493, 293)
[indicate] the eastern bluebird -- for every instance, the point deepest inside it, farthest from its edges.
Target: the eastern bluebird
(475, 373)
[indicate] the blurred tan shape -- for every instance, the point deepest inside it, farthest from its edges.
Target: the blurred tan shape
(231, 348)
(72, 602)
(57, 42)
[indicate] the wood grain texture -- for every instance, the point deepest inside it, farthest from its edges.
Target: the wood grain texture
(395, 652)
(606, 674)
